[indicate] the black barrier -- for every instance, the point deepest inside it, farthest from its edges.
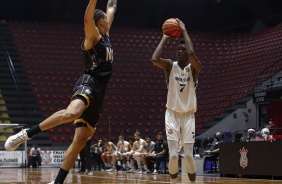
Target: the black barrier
(251, 158)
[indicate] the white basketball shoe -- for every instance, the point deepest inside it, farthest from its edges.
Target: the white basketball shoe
(14, 141)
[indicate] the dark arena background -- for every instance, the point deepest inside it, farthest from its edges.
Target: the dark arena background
(239, 43)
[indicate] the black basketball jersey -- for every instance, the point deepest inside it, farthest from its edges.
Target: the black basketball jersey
(98, 60)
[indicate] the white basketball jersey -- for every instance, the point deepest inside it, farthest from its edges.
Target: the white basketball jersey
(181, 96)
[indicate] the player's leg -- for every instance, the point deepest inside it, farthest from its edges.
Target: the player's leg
(173, 159)
(188, 134)
(124, 161)
(104, 159)
(88, 158)
(78, 143)
(73, 111)
(173, 135)
(114, 161)
(189, 161)
(144, 161)
(82, 161)
(109, 160)
(137, 157)
(159, 159)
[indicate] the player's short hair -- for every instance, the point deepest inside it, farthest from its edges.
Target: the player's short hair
(182, 42)
(98, 14)
(130, 138)
(121, 136)
(148, 136)
(137, 133)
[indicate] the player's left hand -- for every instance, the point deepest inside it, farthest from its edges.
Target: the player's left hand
(181, 25)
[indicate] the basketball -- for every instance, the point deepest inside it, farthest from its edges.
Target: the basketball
(171, 28)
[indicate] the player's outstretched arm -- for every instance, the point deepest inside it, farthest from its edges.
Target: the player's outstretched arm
(111, 10)
(156, 58)
(92, 35)
(196, 64)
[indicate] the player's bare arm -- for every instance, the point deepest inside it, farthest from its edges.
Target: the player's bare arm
(119, 145)
(134, 146)
(165, 64)
(156, 58)
(111, 10)
(92, 35)
(196, 64)
(142, 145)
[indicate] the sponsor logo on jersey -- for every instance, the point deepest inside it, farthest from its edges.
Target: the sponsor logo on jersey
(170, 131)
(182, 79)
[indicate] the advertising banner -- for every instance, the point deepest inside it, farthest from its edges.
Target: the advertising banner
(17, 159)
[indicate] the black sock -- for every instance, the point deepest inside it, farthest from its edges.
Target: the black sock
(61, 176)
(33, 131)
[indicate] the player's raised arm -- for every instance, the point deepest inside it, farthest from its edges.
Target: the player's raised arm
(92, 35)
(111, 10)
(156, 58)
(196, 64)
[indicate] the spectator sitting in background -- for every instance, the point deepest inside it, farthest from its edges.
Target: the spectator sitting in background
(252, 136)
(266, 135)
(214, 149)
(270, 124)
(158, 154)
(200, 144)
(109, 150)
(122, 147)
(129, 155)
(213, 153)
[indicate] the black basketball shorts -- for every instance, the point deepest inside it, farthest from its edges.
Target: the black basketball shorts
(93, 92)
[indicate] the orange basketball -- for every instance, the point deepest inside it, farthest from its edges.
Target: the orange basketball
(171, 28)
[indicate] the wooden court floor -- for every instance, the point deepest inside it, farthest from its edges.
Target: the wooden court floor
(45, 175)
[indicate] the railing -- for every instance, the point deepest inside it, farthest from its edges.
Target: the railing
(14, 76)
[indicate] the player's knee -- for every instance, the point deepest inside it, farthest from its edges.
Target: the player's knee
(188, 155)
(173, 154)
(173, 157)
(71, 115)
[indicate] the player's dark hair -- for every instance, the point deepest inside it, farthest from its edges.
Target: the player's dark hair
(182, 42)
(148, 136)
(130, 138)
(98, 14)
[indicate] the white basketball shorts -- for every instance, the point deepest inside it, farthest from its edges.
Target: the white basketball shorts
(180, 126)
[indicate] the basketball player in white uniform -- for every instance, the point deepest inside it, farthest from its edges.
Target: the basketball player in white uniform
(122, 147)
(181, 77)
(109, 150)
(137, 151)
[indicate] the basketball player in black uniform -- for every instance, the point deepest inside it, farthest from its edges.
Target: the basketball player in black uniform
(87, 100)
